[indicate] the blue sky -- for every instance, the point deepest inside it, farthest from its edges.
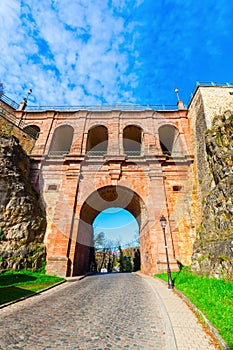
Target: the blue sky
(81, 52)
(118, 225)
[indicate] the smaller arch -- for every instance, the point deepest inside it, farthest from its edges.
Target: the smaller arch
(97, 140)
(32, 130)
(61, 141)
(170, 140)
(132, 140)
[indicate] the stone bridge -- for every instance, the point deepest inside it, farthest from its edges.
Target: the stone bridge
(86, 160)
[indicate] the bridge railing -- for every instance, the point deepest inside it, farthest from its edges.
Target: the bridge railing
(9, 101)
(207, 84)
(132, 153)
(113, 107)
(57, 154)
(19, 123)
(92, 153)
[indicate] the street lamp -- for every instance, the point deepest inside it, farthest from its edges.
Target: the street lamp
(177, 93)
(163, 223)
(28, 93)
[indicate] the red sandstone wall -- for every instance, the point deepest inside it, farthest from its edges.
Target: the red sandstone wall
(151, 177)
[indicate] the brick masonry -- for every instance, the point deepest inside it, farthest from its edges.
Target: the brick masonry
(75, 188)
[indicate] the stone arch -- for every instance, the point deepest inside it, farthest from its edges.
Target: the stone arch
(169, 139)
(61, 141)
(32, 130)
(132, 140)
(101, 199)
(97, 140)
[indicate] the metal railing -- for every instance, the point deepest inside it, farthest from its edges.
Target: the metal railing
(113, 107)
(212, 83)
(9, 101)
(57, 154)
(132, 153)
(104, 107)
(96, 153)
(19, 123)
(207, 84)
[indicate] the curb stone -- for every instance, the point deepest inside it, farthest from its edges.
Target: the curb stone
(199, 313)
(208, 324)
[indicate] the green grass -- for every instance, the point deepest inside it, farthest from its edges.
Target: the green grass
(18, 284)
(212, 296)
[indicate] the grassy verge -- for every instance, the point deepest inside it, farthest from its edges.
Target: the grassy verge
(18, 284)
(212, 296)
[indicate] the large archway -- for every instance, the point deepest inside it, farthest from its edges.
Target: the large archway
(103, 198)
(116, 241)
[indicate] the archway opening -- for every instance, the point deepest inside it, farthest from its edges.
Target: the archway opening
(169, 140)
(32, 130)
(116, 241)
(61, 141)
(104, 198)
(132, 140)
(97, 140)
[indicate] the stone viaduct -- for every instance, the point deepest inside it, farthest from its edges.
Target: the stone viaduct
(144, 160)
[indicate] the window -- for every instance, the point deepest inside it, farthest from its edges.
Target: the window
(132, 140)
(97, 141)
(169, 140)
(61, 141)
(32, 130)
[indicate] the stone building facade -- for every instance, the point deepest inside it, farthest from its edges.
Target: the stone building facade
(207, 103)
(143, 160)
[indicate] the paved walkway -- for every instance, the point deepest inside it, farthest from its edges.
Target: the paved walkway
(103, 312)
(188, 332)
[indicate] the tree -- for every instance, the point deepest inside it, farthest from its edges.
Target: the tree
(121, 260)
(104, 252)
(99, 240)
(136, 259)
(137, 237)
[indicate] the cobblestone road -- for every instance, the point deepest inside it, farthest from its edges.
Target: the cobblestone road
(108, 311)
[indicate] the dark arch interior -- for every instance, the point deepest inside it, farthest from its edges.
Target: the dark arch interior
(104, 198)
(169, 139)
(33, 130)
(112, 196)
(97, 140)
(132, 140)
(61, 141)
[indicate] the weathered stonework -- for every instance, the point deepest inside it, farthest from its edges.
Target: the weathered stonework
(211, 137)
(213, 249)
(22, 224)
(9, 128)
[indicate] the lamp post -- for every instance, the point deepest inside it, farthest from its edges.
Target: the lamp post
(28, 93)
(163, 223)
(177, 93)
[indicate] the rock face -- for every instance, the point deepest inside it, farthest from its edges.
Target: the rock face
(22, 224)
(213, 249)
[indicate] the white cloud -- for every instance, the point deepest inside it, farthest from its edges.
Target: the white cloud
(88, 52)
(80, 44)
